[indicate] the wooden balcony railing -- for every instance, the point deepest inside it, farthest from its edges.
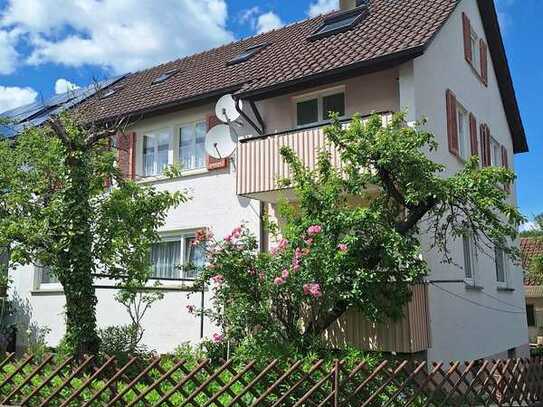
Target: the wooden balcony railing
(260, 164)
(408, 335)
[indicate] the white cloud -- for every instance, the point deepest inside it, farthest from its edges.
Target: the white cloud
(8, 53)
(122, 35)
(249, 16)
(268, 21)
(63, 85)
(525, 227)
(12, 97)
(322, 6)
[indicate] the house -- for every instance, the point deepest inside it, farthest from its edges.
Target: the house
(440, 59)
(530, 247)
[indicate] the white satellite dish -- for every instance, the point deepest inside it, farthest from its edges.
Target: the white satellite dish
(226, 110)
(219, 142)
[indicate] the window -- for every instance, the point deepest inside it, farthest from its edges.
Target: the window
(4, 260)
(341, 21)
(46, 276)
(316, 109)
(163, 77)
(501, 266)
(166, 257)
(474, 39)
(495, 153)
(192, 153)
(530, 314)
(463, 132)
(470, 258)
(247, 54)
(155, 153)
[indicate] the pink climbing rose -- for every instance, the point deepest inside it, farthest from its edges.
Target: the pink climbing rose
(191, 308)
(284, 274)
(218, 279)
(217, 338)
(342, 247)
(314, 230)
(313, 289)
(279, 281)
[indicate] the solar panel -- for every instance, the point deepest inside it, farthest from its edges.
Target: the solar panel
(247, 54)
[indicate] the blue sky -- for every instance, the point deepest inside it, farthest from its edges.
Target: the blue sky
(48, 45)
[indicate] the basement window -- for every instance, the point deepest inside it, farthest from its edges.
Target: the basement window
(165, 76)
(340, 22)
(247, 54)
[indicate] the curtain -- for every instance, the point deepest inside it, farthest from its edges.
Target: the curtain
(194, 258)
(165, 258)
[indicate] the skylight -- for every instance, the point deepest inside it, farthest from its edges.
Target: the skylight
(340, 22)
(165, 76)
(247, 54)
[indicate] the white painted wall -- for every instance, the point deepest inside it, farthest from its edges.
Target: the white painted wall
(460, 328)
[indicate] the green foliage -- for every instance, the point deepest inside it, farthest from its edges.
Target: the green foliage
(352, 238)
(56, 212)
(537, 230)
(535, 267)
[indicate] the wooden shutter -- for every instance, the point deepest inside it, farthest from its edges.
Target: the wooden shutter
(452, 123)
(126, 154)
(468, 52)
(484, 62)
(485, 145)
(214, 163)
(474, 143)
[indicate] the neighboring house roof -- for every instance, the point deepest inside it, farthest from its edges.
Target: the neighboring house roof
(529, 248)
(393, 32)
(37, 113)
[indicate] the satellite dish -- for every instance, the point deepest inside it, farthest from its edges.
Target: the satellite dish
(219, 142)
(226, 110)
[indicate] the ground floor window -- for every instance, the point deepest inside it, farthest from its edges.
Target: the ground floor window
(176, 256)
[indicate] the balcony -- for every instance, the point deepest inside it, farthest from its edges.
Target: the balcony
(408, 335)
(260, 164)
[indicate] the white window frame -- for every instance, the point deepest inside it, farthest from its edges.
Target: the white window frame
(505, 283)
(475, 51)
(177, 140)
(40, 285)
(463, 132)
(181, 236)
(156, 133)
(319, 96)
(473, 259)
(495, 153)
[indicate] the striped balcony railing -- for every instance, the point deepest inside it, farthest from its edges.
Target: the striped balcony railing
(260, 165)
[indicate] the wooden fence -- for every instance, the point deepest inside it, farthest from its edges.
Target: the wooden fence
(166, 381)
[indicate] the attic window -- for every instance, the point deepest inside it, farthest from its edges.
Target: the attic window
(165, 76)
(340, 22)
(108, 93)
(247, 54)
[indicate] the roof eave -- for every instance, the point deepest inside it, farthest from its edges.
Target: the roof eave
(505, 81)
(341, 73)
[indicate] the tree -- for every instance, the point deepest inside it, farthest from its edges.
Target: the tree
(352, 240)
(535, 270)
(57, 213)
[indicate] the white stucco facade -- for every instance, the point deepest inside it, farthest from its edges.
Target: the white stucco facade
(466, 322)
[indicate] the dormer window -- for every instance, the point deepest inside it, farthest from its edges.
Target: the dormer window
(247, 54)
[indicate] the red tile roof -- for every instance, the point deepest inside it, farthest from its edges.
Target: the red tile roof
(529, 248)
(391, 27)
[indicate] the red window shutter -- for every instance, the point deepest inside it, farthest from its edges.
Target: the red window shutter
(473, 135)
(484, 62)
(487, 146)
(484, 145)
(452, 124)
(126, 154)
(468, 52)
(214, 163)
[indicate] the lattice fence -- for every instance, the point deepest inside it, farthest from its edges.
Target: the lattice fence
(165, 381)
